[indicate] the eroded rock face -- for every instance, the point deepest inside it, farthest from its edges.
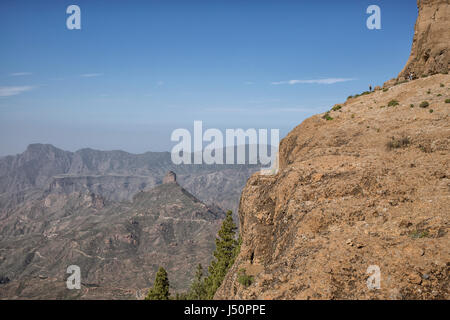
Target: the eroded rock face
(170, 177)
(366, 188)
(430, 53)
(369, 188)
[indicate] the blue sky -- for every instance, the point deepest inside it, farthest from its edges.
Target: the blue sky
(139, 69)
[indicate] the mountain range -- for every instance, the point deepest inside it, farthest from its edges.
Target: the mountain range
(118, 216)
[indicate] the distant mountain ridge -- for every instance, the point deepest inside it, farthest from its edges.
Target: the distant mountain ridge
(115, 175)
(116, 215)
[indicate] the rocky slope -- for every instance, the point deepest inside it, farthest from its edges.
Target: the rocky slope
(118, 245)
(369, 186)
(363, 187)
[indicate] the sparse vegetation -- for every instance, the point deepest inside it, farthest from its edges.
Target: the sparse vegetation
(425, 148)
(424, 104)
(353, 115)
(360, 94)
(244, 278)
(337, 107)
(393, 103)
(411, 105)
(418, 234)
(204, 287)
(429, 91)
(396, 143)
(442, 85)
(439, 95)
(385, 89)
(327, 116)
(447, 100)
(431, 110)
(198, 289)
(381, 107)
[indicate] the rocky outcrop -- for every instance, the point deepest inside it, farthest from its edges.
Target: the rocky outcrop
(170, 177)
(359, 207)
(111, 187)
(367, 188)
(430, 53)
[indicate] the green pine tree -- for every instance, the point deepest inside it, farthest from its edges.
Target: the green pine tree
(197, 290)
(226, 251)
(160, 290)
(181, 296)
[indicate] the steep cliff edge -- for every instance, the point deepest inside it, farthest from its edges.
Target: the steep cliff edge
(367, 185)
(430, 52)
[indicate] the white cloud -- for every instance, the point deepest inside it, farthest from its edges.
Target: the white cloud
(17, 74)
(12, 91)
(292, 110)
(248, 82)
(160, 83)
(271, 110)
(91, 75)
(315, 81)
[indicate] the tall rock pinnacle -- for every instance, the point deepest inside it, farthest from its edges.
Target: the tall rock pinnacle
(430, 52)
(170, 177)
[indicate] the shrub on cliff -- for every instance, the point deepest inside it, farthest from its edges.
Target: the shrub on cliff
(424, 104)
(244, 278)
(393, 103)
(337, 107)
(327, 116)
(396, 143)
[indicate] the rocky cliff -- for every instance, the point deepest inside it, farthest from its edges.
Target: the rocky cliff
(430, 53)
(364, 187)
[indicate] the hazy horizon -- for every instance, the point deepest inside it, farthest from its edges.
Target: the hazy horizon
(138, 70)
